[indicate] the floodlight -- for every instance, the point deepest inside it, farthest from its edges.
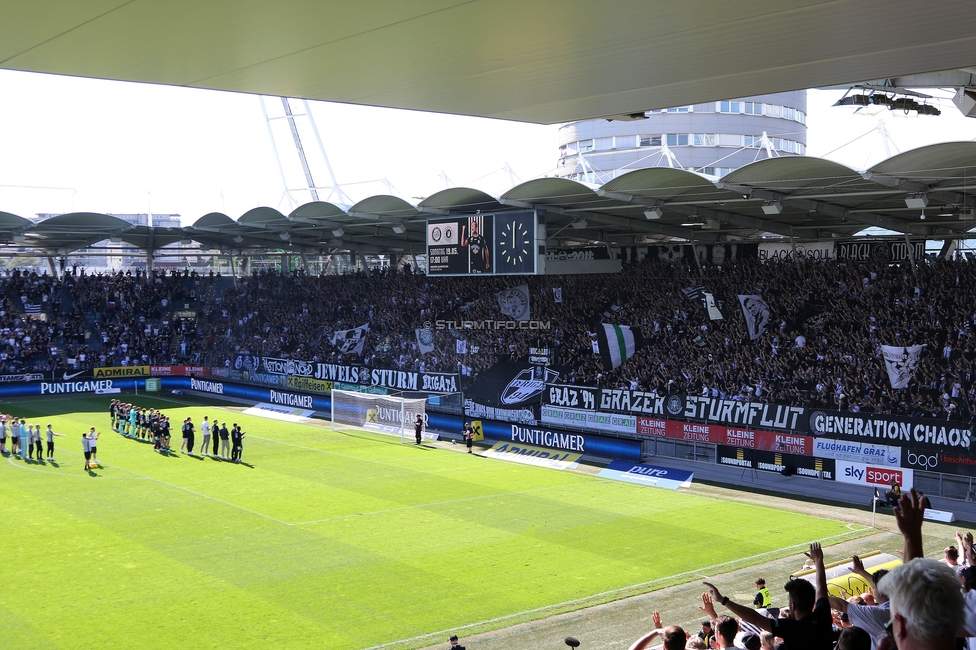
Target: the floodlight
(919, 201)
(772, 207)
(339, 232)
(399, 229)
(653, 213)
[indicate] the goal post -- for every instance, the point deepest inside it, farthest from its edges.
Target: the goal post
(387, 414)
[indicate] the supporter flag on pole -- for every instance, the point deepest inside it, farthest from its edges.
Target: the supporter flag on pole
(594, 343)
(514, 302)
(901, 363)
(461, 346)
(350, 341)
(695, 293)
(557, 294)
(425, 340)
(756, 312)
(714, 312)
(617, 344)
(32, 308)
(707, 300)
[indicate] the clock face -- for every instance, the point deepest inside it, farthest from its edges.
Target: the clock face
(515, 246)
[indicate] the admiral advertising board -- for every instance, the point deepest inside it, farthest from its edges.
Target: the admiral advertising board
(120, 372)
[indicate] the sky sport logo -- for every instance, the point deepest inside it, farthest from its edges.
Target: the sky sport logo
(542, 325)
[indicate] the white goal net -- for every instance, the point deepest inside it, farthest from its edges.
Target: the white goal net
(387, 414)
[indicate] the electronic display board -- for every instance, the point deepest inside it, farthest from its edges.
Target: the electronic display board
(504, 243)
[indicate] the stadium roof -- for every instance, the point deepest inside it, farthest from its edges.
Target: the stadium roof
(544, 61)
(795, 196)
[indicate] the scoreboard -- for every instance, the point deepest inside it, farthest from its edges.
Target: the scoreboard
(504, 243)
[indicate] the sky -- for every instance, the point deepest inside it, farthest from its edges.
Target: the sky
(71, 144)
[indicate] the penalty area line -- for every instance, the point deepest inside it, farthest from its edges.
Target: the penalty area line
(598, 596)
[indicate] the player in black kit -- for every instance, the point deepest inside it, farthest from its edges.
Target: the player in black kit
(478, 249)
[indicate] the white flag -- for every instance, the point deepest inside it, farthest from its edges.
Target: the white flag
(350, 341)
(756, 311)
(425, 340)
(461, 346)
(714, 313)
(557, 294)
(594, 343)
(901, 363)
(515, 302)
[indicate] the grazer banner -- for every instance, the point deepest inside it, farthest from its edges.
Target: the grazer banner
(577, 397)
(769, 461)
(786, 443)
(641, 403)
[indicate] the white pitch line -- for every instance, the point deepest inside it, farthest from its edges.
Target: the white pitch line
(611, 592)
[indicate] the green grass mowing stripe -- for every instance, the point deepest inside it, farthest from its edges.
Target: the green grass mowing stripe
(614, 594)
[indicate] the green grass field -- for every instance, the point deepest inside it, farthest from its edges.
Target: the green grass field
(332, 540)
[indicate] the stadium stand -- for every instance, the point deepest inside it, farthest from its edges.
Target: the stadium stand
(828, 321)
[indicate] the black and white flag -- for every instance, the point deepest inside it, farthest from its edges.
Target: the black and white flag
(901, 363)
(461, 346)
(514, 302)
(695, 293)
(711, 306)
(425, 340)
(756, 312)
(350, 341)
(557, 294)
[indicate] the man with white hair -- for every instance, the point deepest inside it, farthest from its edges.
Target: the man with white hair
(926, 605)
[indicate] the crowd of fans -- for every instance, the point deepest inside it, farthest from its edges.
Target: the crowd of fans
(922, 603)
(821, 348)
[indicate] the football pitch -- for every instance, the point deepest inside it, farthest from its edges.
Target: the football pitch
(327, 539)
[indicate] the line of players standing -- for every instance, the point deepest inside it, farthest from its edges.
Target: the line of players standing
(25, 439)
(142, 423)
